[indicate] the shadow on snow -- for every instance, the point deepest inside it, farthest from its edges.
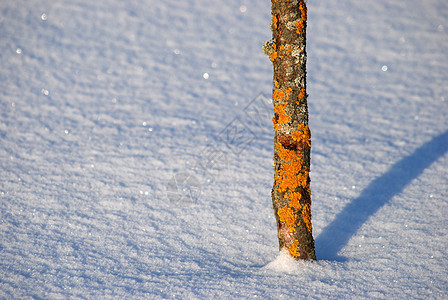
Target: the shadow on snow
(381, 190)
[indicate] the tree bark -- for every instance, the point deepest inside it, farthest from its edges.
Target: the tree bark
(291, 195)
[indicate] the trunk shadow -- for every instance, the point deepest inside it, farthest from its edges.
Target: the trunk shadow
(381, 190)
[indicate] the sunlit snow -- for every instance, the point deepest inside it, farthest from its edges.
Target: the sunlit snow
(136, 149)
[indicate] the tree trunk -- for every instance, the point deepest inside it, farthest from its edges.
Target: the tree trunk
(291, 195)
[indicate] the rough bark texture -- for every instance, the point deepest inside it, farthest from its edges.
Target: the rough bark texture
(291, 195)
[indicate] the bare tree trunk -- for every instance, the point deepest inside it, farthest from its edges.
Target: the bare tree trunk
(291, 195)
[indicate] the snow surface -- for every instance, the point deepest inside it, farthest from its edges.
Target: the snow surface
(136, 150)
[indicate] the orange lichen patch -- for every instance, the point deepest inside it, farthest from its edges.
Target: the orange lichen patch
(284, 119)
(276, 126)
(292, 174)
(287, 155)
(295, 198)
(276, 84)
(304, 128)
(280, 111)
(303, 10)
(293, 249)
(302, 93)
(306, 213)
(280, 115)
(303, 135)
(288, 175)
(300, 26)
(273, 56)
(288, 91)
(290, 178)
(278, 94)
(303, 15)
(286, 215)
(274, 21)
(302, 179)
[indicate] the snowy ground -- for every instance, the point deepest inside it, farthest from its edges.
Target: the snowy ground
(106, 105)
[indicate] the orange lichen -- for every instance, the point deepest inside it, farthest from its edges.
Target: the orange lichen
(303, 10)
(284, 119)
(304, 128)
(280, 110)
(292, 174)
(288, 176)
(286, 215)
(303, 15)
(300, 26)
(287, 155)
(293, 177)
(295, 198)
(273, 56)
(276, 126)
(302, 179)
(293, 249)
(278, 94)
(306, 214)
(303, 135)
(274, 21)
(302, 93)
(281, 116)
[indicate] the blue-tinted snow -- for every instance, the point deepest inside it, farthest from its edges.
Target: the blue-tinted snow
(106, 112)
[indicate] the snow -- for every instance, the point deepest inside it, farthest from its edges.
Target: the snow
(136, 151)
